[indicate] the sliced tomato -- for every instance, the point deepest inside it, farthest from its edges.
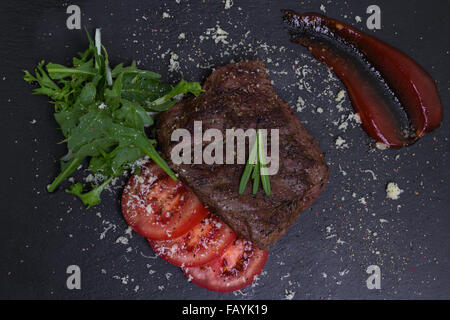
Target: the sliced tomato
(235, 269)
(159, 208)
(205, 242)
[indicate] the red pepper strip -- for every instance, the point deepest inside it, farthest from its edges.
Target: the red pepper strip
(413, 86)
(377, 119)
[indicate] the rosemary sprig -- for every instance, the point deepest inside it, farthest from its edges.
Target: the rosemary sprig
(256, 177)
(252, 159)
(256, 168)
(263, 166)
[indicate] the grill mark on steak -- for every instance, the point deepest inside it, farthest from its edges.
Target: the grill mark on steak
(240, 95)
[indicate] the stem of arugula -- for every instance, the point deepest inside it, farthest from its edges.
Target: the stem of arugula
(71, 167)
(154, 155)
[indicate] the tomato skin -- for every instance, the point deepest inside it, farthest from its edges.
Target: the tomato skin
(237, 268)
(159, 208)
(205, 242)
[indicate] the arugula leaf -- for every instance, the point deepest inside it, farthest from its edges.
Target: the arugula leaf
(113, 96)
(120, 69)
(87, 94)
(142, 89)
(133, 115)
(67, 170)
(90, 129)
(124, 155)
(90, 198)
(103, 112)
(57, 71)
(166, 101)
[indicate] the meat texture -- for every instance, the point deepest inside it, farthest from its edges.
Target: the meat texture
(240, 95)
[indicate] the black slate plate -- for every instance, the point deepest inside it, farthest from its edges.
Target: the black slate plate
(324, 255)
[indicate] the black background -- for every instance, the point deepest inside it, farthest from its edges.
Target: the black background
(324, 255)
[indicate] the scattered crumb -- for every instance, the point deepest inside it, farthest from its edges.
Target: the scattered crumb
(374, 177)
(122, 240)
(123, 280)
(340, 96)
(228, 4)
(393, 191)
(174, 64)
(289, 294)
(381, 146)
(102, 106)
(218, 35)
(340, 143)
(300, 105)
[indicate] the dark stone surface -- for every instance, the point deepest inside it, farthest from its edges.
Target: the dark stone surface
(324, 255)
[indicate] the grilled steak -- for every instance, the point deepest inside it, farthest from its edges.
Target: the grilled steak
(240, 95)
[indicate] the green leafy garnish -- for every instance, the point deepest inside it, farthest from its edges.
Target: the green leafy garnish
(103, 114)
(92, 197)
(256, 168)
(262, 165)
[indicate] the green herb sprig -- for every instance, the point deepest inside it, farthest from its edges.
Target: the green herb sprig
(256, 168)
(103, 113)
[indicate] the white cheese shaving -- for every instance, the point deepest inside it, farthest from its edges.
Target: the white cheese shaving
(381, 146)
(289, 294)
(174, 63)
(393, 191)
(228, 4)
(340, 143)
(340, 96)
(122, 240)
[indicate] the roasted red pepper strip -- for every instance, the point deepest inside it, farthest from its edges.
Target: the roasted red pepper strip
(377, 118)
(412, 85)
